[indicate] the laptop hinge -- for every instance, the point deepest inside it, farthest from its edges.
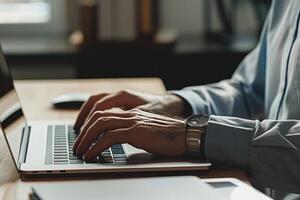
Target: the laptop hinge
(24, 145)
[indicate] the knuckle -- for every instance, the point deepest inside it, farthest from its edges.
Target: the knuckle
(129, 113)
(137, 126)
(97, 104)
(136, 110)
(88, 131)
(102, 120)
(92, 97)
(92, 112)
(135, 119)
(123, 92)
(140, 124)
(98, 113)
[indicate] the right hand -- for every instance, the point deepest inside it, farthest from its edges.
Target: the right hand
(156, 134)
(163, 104)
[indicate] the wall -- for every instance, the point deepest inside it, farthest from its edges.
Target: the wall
(186, 16)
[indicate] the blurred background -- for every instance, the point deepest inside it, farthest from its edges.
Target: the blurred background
(183, 42)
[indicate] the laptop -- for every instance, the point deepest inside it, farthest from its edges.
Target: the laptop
(45, 147)
(150, 188)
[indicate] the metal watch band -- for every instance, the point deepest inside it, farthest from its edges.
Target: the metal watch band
(195, 134)
(193, 141)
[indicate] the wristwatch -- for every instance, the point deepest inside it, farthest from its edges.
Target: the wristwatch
(195, 130)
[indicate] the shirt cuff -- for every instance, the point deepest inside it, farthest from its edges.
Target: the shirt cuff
(228, 140)
(196, 103)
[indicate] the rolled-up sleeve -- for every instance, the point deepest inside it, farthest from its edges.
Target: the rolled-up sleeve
(270, 149)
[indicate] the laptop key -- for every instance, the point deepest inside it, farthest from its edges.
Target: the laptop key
(117, 151)
(60, 163)
(76, 162)
(64, 138)
(119, 156)
(123, 161)
(105, 159)
(116, 146)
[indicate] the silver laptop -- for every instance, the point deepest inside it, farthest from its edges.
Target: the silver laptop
(45, 147)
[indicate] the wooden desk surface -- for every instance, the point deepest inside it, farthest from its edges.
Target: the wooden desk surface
(36, 96)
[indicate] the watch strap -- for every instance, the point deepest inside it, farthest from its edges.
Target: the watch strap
(194, 141)
(202, 144)
(196, 137)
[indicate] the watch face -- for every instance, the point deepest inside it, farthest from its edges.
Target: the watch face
(197, 121)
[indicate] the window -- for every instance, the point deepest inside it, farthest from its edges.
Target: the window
(34, 17)
(24, 11)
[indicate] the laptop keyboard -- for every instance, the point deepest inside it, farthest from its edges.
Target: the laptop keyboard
(59, 148)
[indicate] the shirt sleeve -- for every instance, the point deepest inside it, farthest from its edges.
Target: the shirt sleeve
(240, 96)
(268, 149)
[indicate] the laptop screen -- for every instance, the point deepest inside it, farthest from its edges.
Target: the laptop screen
(11, 115)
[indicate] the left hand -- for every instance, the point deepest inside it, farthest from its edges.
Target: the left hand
(127, 100)
(154, 133)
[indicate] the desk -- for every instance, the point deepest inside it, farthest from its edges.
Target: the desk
(36, 96)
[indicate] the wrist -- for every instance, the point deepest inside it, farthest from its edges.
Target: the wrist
(196, 127)
(181, 107)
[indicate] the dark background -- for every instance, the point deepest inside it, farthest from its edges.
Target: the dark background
(192, 59)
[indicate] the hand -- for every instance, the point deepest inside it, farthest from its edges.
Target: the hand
(154, 133)
(170, 104)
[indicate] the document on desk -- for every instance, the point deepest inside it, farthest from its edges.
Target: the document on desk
(162, 188)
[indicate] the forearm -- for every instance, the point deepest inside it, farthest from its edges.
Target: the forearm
(226, 98)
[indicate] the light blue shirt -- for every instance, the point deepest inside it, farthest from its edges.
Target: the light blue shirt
(254, 121)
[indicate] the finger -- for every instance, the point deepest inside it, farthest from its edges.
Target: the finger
(86, 108)
(101, 125)
(97, 115)
(118, 136)
(119, 99)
